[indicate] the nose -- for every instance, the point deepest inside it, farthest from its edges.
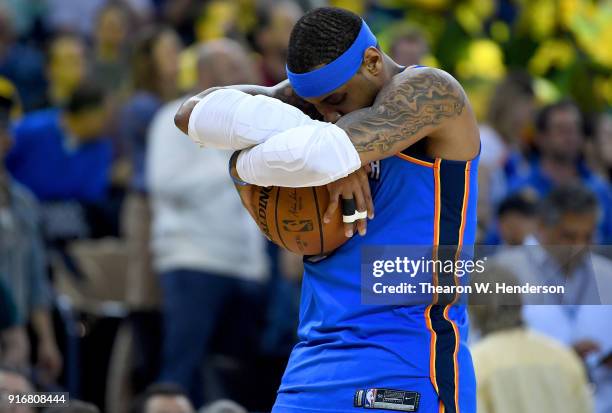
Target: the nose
(331, 116)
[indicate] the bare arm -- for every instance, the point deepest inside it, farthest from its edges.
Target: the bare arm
(415, 104)
(282, 91)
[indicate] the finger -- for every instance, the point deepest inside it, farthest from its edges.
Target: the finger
(367, 194)
(349, 228)
(361, 206)
(334, 199)
(246, 197)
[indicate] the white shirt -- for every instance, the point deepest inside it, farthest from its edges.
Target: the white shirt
(199, 222)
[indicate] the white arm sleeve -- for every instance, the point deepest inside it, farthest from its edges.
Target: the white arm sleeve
(310, 155)
(231, 119)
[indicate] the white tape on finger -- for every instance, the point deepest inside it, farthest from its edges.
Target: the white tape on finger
(349, 219)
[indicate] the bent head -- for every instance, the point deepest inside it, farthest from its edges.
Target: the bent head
(333, 62)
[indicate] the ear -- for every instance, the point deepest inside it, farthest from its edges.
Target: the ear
(372, 61)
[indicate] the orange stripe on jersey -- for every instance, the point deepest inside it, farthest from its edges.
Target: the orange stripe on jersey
(455, 360)
(432, 349)
(464, 207)
(466, 195)
(437, 202)
(436, 229)
(415, 160)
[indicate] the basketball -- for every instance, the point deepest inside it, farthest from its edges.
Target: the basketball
(292, 218)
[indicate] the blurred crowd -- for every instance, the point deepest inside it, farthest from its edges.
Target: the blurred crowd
(131, 276)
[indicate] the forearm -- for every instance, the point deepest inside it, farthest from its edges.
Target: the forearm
(43, 327)
(310, 155)
(281, 91)
(229, 119)
(15, 347)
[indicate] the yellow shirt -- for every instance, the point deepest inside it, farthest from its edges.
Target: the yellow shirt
(522, 371)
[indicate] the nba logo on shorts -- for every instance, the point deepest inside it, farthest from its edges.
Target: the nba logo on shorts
(369, 398)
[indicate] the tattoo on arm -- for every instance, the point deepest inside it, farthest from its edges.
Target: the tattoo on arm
(404, 112)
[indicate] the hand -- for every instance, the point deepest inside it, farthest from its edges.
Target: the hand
(16, 347)
(355, 186)
(49, 360)
(244, 191)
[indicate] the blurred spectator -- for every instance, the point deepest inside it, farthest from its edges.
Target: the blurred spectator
(72, 16)
(408, 46)
(12, 381)
(60, 154)
(67, 67)
(21, 64)
(206, 247)
(533, 371)
(560, 255)
(22, 259)
(517, 219)
(560, 142)
(163, 398)
(25, 14)
(601, 148)
(14, 346)
(154, 79)
(502, 137)
(271, 38)
(182, 15)
(75, 406)
(109, 65)
(154, 74)
(509, 119)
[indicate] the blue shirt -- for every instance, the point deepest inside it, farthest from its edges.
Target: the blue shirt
(43, 160)
(347, 345)
(541, 184)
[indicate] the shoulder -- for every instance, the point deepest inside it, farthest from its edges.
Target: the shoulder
(162, 126)
(422, 77)
(417, 85)
(167, 111)
(35, 121)
(22, 196)
(25, 204)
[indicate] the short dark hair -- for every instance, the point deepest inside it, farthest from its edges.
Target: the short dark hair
(86, 96)
(567, 199)
(75, 406)
(543, 117)
(321, 36)
(158, 389)
(518, 203)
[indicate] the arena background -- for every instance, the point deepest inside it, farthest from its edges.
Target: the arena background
(80, 309)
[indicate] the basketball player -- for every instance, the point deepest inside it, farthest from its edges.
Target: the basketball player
(417, 126)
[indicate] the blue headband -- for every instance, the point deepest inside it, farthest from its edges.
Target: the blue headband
(330, 77)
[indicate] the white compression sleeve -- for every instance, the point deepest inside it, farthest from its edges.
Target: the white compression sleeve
(231, 119)
(309, 155)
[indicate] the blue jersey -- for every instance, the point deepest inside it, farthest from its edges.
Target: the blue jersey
(345, 345)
